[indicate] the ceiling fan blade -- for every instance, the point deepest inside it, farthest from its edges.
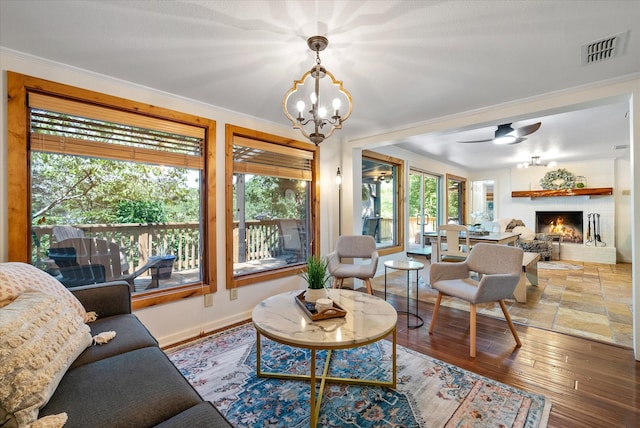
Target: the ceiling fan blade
(476, 141)
(526, 130)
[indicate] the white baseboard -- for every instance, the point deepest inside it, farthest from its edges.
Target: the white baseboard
(204, 328)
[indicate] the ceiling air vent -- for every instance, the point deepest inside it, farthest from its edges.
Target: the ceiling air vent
(604, 49)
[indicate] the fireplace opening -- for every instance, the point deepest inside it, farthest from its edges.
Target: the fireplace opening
(567, 224)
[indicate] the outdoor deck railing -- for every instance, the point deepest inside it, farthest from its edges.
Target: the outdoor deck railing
(138, 242)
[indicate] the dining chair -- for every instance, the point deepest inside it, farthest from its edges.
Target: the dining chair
(290, 241)
(455, 246)
(499, 267)
(353, 247)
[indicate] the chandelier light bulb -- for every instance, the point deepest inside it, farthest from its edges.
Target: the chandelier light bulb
(336, 104)
(314, 98)
(322, 112)
(300, 106)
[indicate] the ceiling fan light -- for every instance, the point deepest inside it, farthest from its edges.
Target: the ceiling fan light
(505, 139)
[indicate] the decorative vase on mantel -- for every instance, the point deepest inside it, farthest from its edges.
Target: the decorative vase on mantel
(316, 277)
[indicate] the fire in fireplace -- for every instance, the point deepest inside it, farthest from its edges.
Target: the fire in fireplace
(568, 224)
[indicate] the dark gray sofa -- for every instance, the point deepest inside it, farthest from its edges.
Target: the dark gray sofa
(128, 382)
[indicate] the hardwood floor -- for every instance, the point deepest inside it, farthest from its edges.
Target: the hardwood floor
(591, 384)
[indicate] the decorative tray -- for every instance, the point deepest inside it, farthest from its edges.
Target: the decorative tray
(310, 309)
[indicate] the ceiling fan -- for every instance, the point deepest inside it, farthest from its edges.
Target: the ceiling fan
(505, 134)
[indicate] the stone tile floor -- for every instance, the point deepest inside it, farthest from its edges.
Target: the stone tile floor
(588, 300)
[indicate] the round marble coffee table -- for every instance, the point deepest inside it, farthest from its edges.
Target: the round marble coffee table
(368, 319)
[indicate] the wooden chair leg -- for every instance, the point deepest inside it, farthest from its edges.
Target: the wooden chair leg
(367, 281)
(472, 328)
(336, 281)
(435, 313)
(511, 326)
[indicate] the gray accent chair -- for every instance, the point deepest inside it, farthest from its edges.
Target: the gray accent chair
(498, 267)
(353, 247)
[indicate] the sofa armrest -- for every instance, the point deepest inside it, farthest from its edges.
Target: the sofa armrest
(106, 299)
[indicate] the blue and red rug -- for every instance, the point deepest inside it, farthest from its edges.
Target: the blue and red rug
(429, 393)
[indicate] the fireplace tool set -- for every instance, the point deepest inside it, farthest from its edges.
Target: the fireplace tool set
(593, 236)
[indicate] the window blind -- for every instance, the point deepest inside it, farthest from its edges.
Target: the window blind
(261, 158)
(59, 125)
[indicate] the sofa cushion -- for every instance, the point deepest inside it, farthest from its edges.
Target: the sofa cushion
(17, 277)
(40, 336)
(140, 388)
(202, 415)
(130, 334)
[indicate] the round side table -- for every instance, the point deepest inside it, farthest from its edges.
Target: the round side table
(407, 265)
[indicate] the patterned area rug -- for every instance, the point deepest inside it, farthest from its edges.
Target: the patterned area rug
(429, 393)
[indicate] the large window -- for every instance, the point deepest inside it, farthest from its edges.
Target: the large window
(117, 190)
(272, 224)
(382, 194)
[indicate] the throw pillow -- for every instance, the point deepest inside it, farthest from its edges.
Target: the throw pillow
(525, 233)
(513, 223)
(40, 336)
(17, 277)
(503, 224)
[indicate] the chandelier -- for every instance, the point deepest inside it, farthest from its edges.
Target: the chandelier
(315, 89)
(535, 161)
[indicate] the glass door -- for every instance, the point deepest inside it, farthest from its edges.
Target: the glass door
(456, 197)
(424, 195)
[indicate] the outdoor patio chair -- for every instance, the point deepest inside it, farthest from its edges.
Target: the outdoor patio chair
(499, 267)
(93, 251)
(70, 273)
(291, 243)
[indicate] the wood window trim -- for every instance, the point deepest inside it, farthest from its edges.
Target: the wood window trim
(400, 192)
(233, 132)
(19, 189)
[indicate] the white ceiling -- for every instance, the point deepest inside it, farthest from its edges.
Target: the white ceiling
(404, 62)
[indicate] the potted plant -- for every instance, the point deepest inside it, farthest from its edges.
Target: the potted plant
(317, 277)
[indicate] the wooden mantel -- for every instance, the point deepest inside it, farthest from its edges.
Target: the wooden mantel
(597, 191)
